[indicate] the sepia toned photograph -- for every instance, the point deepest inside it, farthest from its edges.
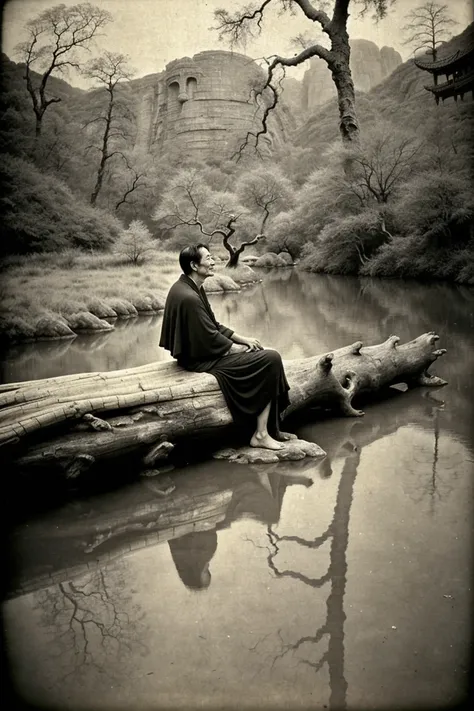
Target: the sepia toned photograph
(237, 336)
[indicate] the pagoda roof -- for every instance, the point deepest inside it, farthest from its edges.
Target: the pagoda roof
(452, 87)
(448, 62)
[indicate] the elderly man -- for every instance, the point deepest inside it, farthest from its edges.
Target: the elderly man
(251, 378)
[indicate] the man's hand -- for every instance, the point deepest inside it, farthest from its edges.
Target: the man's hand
(253, 344)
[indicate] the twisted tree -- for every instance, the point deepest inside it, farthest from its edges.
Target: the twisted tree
(237, 27)
(189, 201)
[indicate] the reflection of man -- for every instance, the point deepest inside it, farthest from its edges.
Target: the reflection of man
(253, 382)
(192, 554)
(259, 498)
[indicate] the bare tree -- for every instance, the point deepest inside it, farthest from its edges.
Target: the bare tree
(382, 162)
(108, 70)
(189, 201)
(428, 26)
(54, 38)
(237, 27)
(265, 190)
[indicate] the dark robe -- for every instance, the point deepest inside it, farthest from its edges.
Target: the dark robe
(199, 343)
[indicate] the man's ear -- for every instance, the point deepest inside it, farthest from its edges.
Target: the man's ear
(193, 266)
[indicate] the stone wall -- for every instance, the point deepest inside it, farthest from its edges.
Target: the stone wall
(202, 106)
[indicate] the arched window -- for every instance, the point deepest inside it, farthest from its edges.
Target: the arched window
(191, 87)
(173, 93)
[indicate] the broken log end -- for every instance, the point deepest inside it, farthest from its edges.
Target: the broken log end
(355, 348)
(77, 466)
(427, 379)
(158, 452)
(325, 363)
(96, 423)
(392, 341)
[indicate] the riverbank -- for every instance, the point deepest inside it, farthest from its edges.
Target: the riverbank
(57, 296)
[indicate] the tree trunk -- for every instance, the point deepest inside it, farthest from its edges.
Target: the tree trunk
(50, 422)
(342, 77)
(233, 260)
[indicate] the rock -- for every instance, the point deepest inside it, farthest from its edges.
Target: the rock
(122, 308)
(85, 321)
(15, 328)
(53, 326)
(293, 451)
(243, 274)
(287, 258)
(101, 309)
(220, 282)
(369, 65)
(270, 260)
(144, 304)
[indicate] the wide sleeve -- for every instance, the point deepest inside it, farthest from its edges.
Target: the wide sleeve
(222, 329)
(204, 338)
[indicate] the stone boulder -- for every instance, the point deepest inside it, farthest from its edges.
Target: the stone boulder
(270, 260)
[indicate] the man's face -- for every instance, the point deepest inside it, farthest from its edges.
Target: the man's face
(205, 268)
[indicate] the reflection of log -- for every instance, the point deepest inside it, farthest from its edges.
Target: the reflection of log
(160, 400)
(90, 533)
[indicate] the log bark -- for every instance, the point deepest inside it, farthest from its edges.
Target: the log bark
(49, 421)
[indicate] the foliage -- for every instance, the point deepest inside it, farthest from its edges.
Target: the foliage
(265, 191)
(135, 243)
(190, 205)
(40, 213)
(345, 243)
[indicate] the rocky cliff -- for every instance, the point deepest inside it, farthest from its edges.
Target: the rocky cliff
(400, 98)
(369, 64)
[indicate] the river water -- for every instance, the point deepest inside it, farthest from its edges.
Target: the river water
(341, 583)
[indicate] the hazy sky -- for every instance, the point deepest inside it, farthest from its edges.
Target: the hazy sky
(154, 32)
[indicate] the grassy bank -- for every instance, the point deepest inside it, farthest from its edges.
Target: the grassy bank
(60, 295)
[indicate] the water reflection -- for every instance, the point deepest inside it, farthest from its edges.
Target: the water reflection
(277, 580)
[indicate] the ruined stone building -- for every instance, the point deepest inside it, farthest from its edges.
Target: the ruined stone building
(203, 106)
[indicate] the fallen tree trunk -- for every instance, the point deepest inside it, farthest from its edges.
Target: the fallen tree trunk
(146, 409)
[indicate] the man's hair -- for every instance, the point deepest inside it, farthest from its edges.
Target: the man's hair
(190, 254)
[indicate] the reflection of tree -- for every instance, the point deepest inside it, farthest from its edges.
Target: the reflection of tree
(430, 480)
(333, 626)
(92, 620)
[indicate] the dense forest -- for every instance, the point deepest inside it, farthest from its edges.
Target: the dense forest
(403, 209)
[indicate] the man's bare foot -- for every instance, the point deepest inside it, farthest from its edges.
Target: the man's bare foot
(284, 436)
(264, 441)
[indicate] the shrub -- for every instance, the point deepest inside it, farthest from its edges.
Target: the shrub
(135, 243)
(270, 260)
(41, 214)
(344, 244)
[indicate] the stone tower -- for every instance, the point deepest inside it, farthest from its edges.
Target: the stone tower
(203, 106)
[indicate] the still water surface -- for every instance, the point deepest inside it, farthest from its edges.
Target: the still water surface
(343, 583)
